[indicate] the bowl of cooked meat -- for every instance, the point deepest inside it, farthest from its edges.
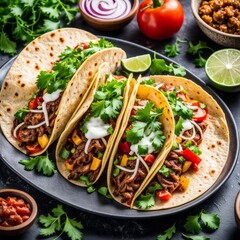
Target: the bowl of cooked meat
(219, 20)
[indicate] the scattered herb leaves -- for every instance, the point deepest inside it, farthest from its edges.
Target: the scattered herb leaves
(173, 50)
(59, 222)
(168, 233)
(41, 164)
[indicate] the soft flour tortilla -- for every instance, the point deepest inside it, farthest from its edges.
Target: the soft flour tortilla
(99, 79)
(20, 82)
(214, 147)
(167, 120)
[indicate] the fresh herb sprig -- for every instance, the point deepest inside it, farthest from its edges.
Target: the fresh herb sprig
(144, 123)
(194, 224)
(174, 49)
(59, 222)
(23, 20)
(41, 163)
(159, 66)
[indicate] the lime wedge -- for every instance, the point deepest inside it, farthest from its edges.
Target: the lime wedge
(137, 64)
(223, 69)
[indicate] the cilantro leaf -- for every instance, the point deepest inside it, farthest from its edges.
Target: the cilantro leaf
(86, 180)
(41, 164)
(6, 45)
(165, 171)
(145, 201)
(210, 220)
(179, 126)
(192, 225)
(158, 140)
(149, 82)
(195, 237)
(135, 134)
(20, 114)
(60, 222)
(200, 61)
(173, 50)
(193, 147)
(177, 70)
(168, 233)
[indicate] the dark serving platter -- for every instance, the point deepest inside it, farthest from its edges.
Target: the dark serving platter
(60, 189)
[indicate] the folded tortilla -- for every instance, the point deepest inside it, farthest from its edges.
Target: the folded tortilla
(141, 92)
(20, 82)
(74, 124)
(214, 147)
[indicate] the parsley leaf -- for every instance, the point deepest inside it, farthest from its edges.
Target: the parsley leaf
(165, 171)
(145, 201)
(168, 233)
(136, 133)
(192, 225)
(159, 66)
(195, 237)
(20, 114)
(60, 222)
(193, 147)
(41, 164)
(212, 221)
(173, 50)
(27, 19)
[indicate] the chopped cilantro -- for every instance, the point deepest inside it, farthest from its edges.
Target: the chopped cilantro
(41, 164)
(20, 114)
(145, 201)
(165, 171)
(192, 225)
(195, 237)
(173, 50)
(64, 154)
(86, 180)
(168, 233)
(193, 148)
(179, 126)
(59, 222)
(149, 82)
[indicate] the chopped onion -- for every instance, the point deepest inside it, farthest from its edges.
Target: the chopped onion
(36, 111)
(87, 145)
(159, 85)
(104, 9)
(179, 148)
(104, 141)
(135, 169)
(16, 128)
(44, 108)
(36, 126)
(125, 169)
(199, 128)
(143, 162)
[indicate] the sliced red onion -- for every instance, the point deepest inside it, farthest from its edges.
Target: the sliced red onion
(16, 128)
(107, 9)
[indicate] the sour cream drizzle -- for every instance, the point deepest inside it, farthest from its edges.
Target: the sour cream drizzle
(96, 129)
(47, 97)
(107, 9)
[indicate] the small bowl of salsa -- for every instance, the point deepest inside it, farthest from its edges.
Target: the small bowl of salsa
(108, 15)
(18, 211)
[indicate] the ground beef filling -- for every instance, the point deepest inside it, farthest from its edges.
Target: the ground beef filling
(80, 160)
(28, 136)
(126, 187)
(172, 182)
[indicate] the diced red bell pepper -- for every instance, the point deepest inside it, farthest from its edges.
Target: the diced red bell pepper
(85, 45)
(133, 111)
(163, 195)
(195, 167)
(124, 147)
(33, 148)
(199, 114)
(191, 156)
(35, 102)
(150, 158)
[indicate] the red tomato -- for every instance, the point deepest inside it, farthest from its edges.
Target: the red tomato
(23, 210)
(150, 158)
(35, 102)
(200, 114)
(163, 195)
(160, 19)
(133, 111)
(124, 147)
(33, 148)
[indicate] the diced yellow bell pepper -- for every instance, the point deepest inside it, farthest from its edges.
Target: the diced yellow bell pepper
(95, 164)
(43, 140)
(76, 139)
(68, 166)
(186, 165)
(184, 183)
(44, 91)
(124, 160)
(178, 140)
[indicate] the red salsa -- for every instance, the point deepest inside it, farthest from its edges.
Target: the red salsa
(13, 211)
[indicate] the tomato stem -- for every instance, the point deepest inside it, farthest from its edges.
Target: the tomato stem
(157, 3)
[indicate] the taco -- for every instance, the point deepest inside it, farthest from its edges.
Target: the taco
(47, 82)
(144, 139)
(84, 146)
(200, 147)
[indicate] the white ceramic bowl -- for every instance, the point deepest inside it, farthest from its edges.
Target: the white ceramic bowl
(224, 39)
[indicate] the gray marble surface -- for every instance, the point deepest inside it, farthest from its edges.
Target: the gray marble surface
(99, 227)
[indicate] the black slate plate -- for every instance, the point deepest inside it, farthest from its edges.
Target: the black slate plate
(57, 187)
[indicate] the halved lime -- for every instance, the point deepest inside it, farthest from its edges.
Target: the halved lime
(223, 69)
(137, 64)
